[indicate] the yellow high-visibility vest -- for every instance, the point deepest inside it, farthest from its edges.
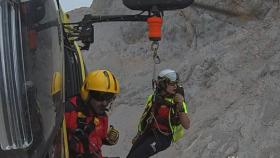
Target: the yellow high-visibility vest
(177, 130)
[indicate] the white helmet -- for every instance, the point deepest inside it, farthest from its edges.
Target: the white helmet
(168, 74)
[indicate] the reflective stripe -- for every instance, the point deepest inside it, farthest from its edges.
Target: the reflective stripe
(185, 106)
(147, 108)
(65, 140)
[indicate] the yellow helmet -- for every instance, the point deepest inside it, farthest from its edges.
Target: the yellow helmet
(100, 80)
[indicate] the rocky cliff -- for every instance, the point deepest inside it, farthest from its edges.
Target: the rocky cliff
(229, 67)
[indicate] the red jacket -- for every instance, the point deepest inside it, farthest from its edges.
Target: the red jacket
(95, 137)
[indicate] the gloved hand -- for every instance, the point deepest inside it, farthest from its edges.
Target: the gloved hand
(89, 128)
(135, 138)
(112, 135)
(178, 100)
(80, 135)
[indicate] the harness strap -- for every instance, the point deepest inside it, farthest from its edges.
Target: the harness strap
(156, 59)
(84, 128)
(158, 128)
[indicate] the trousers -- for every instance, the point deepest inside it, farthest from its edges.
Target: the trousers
(149, 144)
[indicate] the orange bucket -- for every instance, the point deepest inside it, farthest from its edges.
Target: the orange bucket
(154, 25)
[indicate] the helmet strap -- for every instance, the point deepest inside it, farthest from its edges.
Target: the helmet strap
(154, 84)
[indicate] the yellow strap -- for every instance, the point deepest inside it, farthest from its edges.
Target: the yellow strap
(66, 149)
(82, 64)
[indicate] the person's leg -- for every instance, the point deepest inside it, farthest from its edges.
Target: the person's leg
(151, 145)
(139, 141)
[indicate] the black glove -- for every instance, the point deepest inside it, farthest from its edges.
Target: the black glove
(135, 138)
(79, 134)
(89, 128)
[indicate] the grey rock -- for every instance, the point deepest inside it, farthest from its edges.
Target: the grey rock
(229, 67)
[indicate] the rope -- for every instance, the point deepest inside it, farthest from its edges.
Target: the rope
(156, 59)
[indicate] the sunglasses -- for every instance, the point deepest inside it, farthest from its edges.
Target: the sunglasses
(171, 83)
(103, 96)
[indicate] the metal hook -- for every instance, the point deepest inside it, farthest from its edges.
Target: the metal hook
(156, 59)
(154, 48)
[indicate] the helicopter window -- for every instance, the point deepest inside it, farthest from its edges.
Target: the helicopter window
(44, 68)
(14, 108)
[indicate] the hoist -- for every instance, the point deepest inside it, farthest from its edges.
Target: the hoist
(83, 31)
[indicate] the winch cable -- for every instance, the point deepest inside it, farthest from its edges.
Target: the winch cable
(156, 59)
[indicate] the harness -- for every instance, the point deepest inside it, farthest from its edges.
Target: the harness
(149, 114)
(83, 129)
(148, 117)
(158, 101)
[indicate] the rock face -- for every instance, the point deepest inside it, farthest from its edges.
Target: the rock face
(229, 67)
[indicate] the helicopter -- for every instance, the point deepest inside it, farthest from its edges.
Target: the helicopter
(42, 66)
